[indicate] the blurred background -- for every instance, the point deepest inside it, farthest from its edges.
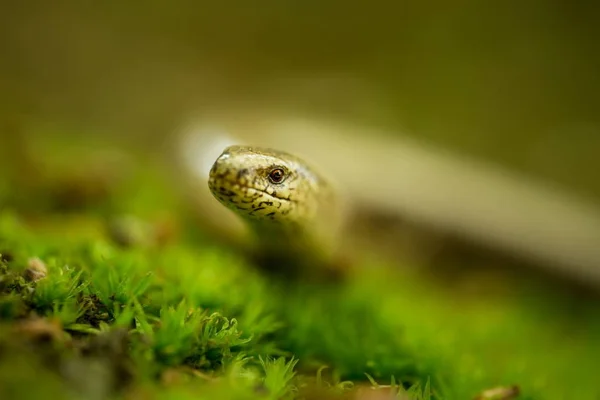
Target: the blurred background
(478, 119)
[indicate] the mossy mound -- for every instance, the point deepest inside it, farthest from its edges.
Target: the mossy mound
(150, 307)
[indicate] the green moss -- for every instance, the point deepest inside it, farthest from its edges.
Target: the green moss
(278, 377)
(189, 319)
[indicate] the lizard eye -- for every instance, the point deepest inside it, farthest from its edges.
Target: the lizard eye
(277, 175)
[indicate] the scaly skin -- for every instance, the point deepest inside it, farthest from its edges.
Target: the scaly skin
(291, 210)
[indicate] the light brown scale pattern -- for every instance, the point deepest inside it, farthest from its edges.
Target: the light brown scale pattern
(294, 221)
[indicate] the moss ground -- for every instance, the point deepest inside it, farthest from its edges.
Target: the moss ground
(124, 312)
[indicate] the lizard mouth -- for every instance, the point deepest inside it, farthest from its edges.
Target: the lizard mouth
(228, 188)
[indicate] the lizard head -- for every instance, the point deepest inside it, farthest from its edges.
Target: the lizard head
(264, 184)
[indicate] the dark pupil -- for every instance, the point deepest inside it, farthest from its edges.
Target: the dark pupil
(276, 175)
